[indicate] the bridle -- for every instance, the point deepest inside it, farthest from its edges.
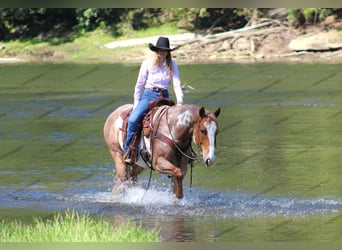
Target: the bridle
(190, 157)
(197, 137)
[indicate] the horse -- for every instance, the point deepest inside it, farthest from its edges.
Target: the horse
(169, 143)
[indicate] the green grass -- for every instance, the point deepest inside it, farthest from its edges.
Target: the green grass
(73, 227)
(85, 48)
(165, 29)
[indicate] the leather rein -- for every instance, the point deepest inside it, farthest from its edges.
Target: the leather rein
(190, 157)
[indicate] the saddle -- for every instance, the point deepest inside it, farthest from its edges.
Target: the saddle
(145, 124)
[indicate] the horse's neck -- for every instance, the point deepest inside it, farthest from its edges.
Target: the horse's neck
(183, 122)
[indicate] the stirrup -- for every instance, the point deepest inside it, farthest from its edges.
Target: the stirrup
(127, 159)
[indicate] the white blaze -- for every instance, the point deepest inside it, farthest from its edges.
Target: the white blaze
(211, 130)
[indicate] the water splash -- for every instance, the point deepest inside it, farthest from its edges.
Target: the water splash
(207, 203)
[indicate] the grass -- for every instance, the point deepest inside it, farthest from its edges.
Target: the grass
(88, 47)
(73, 227)
(165, 29)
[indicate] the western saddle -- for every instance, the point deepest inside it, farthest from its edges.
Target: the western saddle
(146, 125)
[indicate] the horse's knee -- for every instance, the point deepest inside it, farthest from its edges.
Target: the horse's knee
(178, 173)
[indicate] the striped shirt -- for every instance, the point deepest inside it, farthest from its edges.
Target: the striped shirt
(157, 77)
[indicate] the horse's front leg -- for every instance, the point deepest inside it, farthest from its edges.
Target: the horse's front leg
(163, 166)
(183, 167)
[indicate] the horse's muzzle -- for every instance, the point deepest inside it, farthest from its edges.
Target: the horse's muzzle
(209, 162)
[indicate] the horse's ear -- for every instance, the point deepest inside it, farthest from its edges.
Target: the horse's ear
(202, 112)
(217, 112)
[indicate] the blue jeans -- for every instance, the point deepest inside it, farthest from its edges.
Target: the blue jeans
(138, 113)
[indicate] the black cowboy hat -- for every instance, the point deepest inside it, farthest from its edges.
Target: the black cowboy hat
(162, 43)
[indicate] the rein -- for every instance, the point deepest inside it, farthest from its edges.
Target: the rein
(190, 157)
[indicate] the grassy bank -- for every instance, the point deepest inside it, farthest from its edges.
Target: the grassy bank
(81, 48)
(73, 227)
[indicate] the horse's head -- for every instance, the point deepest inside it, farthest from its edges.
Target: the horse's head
(204, 135)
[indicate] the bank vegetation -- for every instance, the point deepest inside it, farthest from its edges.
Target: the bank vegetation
(74, 227)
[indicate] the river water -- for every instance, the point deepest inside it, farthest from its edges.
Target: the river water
(278, 170)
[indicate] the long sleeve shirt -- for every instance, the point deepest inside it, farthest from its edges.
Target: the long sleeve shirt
(157, 77)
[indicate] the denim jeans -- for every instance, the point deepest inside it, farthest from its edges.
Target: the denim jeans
(138, 113)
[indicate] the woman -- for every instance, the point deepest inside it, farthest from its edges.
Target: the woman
(154, 78)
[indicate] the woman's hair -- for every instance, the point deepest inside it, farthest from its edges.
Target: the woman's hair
(168, 62)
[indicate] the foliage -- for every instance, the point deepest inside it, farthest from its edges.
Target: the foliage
(73, 227)
(26, 23)
(302, 16)
(293, 15)
(46, 23)
(93, 18)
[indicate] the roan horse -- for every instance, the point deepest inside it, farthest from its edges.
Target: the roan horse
(168, 144)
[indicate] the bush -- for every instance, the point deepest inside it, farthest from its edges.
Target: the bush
(307, 15)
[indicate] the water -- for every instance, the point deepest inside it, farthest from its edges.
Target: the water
(277, 175)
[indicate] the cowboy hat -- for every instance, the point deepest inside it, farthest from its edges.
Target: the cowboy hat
(162, 43)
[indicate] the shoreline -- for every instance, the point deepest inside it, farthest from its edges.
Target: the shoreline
(249, 46)
(307, 57)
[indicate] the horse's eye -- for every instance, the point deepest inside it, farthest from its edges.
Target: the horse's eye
(203, 131)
